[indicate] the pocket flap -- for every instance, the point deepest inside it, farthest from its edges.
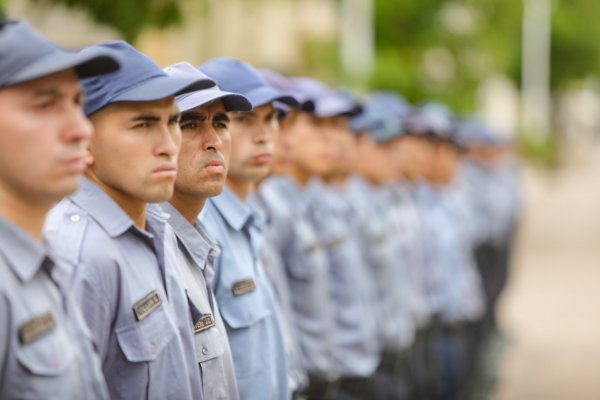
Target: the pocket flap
(243, 311)
(144, 340)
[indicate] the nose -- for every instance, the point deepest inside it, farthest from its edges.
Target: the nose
(77, 127)
(212, 141)
(169, 141)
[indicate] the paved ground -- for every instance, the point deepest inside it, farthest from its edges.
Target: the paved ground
(551, 310)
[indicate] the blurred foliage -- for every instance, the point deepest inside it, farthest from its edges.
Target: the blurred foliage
(443, 49)
(129, 17)
(470, 40)
(543, 150)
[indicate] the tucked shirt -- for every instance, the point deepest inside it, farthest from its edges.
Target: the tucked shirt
(245, 298)
(45, 349)
(132, 299)
(351, 295)
(195, 251)
(304, 264)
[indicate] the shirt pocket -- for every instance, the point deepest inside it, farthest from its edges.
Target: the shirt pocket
(143, 341)
(209, 344)
(244, 311)
(247, 321)
(47, 367)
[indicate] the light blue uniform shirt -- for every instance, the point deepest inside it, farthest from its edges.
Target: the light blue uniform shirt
(450, 286)
(351, 292)
(45, 349)
(195, 251)
(305, 267)
(410, 235)
(378, 233)
(245, 298)
(132, 300)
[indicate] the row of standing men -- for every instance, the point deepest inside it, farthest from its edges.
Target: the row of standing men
(237, 234)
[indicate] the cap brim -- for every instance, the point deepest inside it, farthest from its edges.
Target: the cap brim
(336, 107)
(86, 64)
(266, 94)
(163, 86)
(231, 101)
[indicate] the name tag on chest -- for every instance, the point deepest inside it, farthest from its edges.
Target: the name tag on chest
(207, 321)
(243, 287)
(36, 328)
(147, 305)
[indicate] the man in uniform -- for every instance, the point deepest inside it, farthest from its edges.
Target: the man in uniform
(131, 295)
(202, 168)
(45, 348)
(245, 298)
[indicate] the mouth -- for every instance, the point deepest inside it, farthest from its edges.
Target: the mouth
(216, 166)
(165, 171)
(75, 164)
(262, 159)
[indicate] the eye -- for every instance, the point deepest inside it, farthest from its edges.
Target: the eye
(189, 125)
(220, 125)
(142, 125)
(240, 119)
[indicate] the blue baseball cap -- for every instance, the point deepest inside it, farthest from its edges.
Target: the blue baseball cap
(188, 101)
(382, 117)
(26, 55)
(432, 118)
(140, 79)
(327, 102)
(240, 77)
(282, 83)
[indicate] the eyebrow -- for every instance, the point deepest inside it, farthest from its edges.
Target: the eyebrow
(49, 92)
(192, 116)
(221, 117)
(147, 118)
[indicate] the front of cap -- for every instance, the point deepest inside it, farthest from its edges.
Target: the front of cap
(327, 102)
(26, 55)
(140, 79)
(188, 101)
(240, 77)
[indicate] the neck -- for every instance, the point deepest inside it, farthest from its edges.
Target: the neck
(188, 205)
(28, 215)
(242, 189)
(133, 207)
(300, 176)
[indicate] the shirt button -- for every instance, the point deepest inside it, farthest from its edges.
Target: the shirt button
(204, 350)
(75, 218)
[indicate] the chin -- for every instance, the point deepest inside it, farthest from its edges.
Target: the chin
(158, 195)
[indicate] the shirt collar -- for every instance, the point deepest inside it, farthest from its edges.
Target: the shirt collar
(24, 255)
(102, 208)
(196, 240)
(235, 212)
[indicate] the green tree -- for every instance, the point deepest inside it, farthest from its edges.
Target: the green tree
(128, 17)
(479, 38)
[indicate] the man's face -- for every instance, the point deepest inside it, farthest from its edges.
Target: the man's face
(43, 136)
(253, 136)
(134, 151)
(205, 151)
(445, 163)
(413, 156)
(312, 149)
(371, 159)
(284, 146)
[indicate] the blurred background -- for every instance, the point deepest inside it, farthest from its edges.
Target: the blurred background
(530, 68)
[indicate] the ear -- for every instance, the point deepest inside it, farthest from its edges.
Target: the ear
(89, 158)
